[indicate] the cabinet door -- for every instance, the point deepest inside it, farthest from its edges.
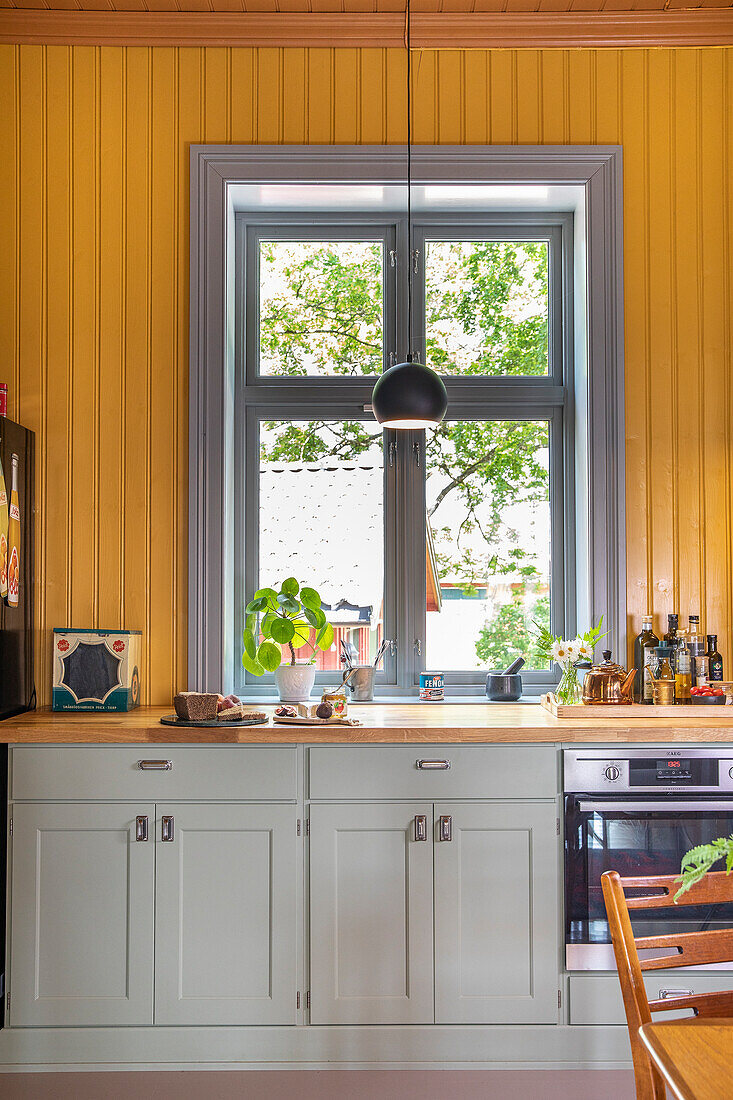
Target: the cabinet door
(371, 914)
(496, 919)
(81, 916)
(226, 914)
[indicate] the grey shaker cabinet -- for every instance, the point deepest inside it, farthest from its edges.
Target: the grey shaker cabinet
(226, 915)
(496, 913)
(105, 922)
(371, 914)
(82, 916)
(460, 927)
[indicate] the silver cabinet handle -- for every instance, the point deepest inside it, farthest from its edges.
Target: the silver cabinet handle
(155, 765)
(446, 827)
(141, 827)
(433, 765)
(166, 827)
(664, 994)
(421, 827)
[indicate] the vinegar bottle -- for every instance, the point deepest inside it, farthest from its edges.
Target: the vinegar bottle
(14, 536)
(3, 535)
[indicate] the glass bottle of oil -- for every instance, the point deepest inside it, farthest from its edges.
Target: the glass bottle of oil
(715, 666)
(672, 638)
(696, 645)
(683, 676)
(644, 644)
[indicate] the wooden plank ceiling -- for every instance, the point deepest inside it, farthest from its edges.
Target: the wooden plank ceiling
(461, 24)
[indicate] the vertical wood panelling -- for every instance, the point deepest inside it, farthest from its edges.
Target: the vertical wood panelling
(94, 305)
(55, 563)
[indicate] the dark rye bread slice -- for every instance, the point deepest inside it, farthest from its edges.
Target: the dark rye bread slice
(195, 706)
(239, 714)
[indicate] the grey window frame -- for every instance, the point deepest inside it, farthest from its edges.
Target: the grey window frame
(216, 174)
(470, 398)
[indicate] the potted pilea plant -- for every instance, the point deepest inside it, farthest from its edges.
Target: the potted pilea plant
(285, 618)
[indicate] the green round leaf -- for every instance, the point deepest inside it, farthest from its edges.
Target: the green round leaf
(268, 594)
(269, 656)
(289, 605)
(310, 598)
(250, 647)
(266, 624)
(290, 587)
(302, 634)
(324, 638)
(250, 623)
(282, 630)
(311, 617)
(252, 666)
(255, 605)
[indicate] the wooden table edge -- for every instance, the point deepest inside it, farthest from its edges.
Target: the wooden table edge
(649, 1033)
(648, 1037)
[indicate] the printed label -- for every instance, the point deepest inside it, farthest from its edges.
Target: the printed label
(13, 577)
(646, 681)
(15, 512)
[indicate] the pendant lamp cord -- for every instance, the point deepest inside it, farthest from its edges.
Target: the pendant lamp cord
(409, 186)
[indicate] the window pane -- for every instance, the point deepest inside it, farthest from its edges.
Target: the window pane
(321, 521)
(486, 307)
(488, 539)
(321, 307)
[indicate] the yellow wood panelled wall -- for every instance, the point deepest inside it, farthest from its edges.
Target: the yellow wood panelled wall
(94, 287)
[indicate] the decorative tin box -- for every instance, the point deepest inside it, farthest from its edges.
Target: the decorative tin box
(96, 669)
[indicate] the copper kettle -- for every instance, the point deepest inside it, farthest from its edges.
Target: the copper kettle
(608, 682)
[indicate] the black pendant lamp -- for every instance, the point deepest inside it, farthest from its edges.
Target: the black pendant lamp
(409, 394)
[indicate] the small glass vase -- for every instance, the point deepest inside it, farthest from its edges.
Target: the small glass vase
(569, 690)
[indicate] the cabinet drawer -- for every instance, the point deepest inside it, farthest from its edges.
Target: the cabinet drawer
(596, 998)
(474, 771)
(113, 772)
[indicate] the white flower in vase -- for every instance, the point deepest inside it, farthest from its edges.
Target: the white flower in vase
(561, 653)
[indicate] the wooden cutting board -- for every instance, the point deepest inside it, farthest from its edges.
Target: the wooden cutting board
(628, 710)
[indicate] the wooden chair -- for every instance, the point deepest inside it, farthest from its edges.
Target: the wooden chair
(693, 949)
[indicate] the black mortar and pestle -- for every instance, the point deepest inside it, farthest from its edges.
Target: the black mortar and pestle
(505, 687)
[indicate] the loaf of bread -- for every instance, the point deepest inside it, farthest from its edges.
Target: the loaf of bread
(196, 706)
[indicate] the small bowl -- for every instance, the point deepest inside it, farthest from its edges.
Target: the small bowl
(709, 700)
(503, 689)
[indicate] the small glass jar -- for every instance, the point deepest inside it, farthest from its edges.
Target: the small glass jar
(338, 701)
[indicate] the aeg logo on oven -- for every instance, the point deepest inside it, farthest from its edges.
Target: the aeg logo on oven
(673, 754)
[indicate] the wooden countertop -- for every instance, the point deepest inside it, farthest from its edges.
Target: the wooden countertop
(397, 723)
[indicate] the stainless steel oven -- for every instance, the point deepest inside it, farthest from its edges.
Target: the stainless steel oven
(637, 811)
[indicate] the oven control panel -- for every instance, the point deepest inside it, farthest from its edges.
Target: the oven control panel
(652, 768)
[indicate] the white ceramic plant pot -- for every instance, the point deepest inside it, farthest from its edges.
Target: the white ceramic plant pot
(295, 682)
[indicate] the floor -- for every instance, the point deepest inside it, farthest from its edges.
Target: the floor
(323, 1085)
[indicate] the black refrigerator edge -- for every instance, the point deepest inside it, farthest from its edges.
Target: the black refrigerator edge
(17, 679)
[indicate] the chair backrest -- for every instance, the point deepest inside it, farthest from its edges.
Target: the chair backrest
(670, 951)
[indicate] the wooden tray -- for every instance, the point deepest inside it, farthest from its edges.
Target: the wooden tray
(625, 710)
(299, 720)
(212, 723)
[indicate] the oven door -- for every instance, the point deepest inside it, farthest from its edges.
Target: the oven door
(634, 835)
